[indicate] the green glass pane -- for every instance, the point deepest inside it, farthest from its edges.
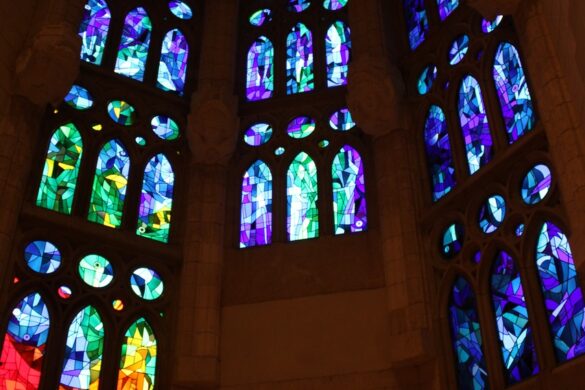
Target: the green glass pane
(61, 169)
(121, 112)
(302, 194)
(147, 284)
(96, 271)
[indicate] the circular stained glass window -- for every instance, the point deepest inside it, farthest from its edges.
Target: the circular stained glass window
(42, 257)
(180, 9)
(298, 5)
(334, 5)
(79, 98)
(487, 26)
(164, 127)
(520, 230)
(452, 240)
(140, 141)
(118, 304)
(477, 257)
(536, 184)
(458, 49)
(258, 134)
(279, 151)
(341, 120)
(492, 214)
(426, 79)
(260, 17)
(64, 292)
(96, 271)
(147, 284)
(121, 112)
(301, 127)
(323, 143)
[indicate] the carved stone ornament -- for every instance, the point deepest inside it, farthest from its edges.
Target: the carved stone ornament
(213, 126)
(47, 68)
(489, 9)
(375, 94)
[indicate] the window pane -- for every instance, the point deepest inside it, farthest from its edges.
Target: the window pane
(139, 353)
(302, 194)
(446, 7)
(260, 77)
(299, 63)
(349, 192)
(417, 22)
(172, 68)
(134, 43)
(256, 211)
(94, 31)
(338, 50)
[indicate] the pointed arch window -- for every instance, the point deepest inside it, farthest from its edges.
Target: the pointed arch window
(133, 49)
(338, 53)
(156, 200)
(302, 194)
(61, 170)
(446, 7)
(513, 93)
(260, 70)
(349, 192)
(25, 343)
(109, 185)
(299, 62)
(94, 31)
(439, 154)
(172, 68)
(256, 206)
(139, 354)
(417, 22)
(474, 124)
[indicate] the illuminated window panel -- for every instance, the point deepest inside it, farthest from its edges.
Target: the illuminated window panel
(79, 98)
(299, 63)
(165, 127)
(57, 187)
(96, 271)
(302, 194)
(147, 284)
(298, 5)
(426, 79)
(109, 185)
(536, 184)
(42, 257)
(260, 70)
(172, 68)
(94, 31)
(260, 17)
(301, 127)
(446, 7)
(256, 206)
(139, 354)
(156, 200)
(133, 49)
(334, 5)
(452, 240)
(338, 53)
(258, 134)
(180, 9)
(349, 192)
(342, 120)
(488, 26)
(417, 22)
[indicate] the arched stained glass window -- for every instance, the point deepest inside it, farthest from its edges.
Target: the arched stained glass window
(156, 200)
(260, 71)
(439, 155)
(172, 68)
(256, 208)
(512, 323)
(299, 62)
(466, 337)
(24, 345)
(349, 192)
(133, 49)
(417, 21)
(61, 169)
(94, 31)
(83, 352)
(338, 53)
(474, 124)
(446, 7)
(138, 362)
(302, 194)
(109, 185)
(563, 297)
(515, 101)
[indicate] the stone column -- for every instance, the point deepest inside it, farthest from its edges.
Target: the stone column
(212, 131)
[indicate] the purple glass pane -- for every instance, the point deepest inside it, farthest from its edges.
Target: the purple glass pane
(256, 211)
(298, 5)
(338, 53)
(133, 49)
(172, 68)
(94, 31)
(438, 150)
(417, 22)
(446, 7)
(260, 78)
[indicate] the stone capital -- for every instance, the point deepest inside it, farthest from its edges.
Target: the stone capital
(375, 95)
(489, 9)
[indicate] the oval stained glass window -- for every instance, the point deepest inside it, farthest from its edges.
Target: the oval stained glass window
(492, 214)
(96, 271)
(536, 184)
(118, 304)
(64, 292)
(458, 49)
(298, 5)
(487, 26)
(79, 98)
(301, 127)
(258, 134)
(121, 112)
(426, 79)
(334, 5)
(164, 127)
(147, 284)
(180, 9)
(42, 257)
(279, 151)
(341, 120)
(140, 141)
(452, 240)
(260, 17)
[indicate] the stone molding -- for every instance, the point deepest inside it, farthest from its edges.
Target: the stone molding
(491, 8)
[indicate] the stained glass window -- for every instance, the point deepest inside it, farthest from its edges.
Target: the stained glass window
(515, 101)
(338, 53)
(563, 297)
(298, 5)
(94, 31)
(180, 9)
(334, 5)
(133, 49)
(536, 184)
(25, 342)
(492, 213)
(156, 201)
(488, 26)
(459, 49)
(256, 206)
(438, 150)
(138, 363)
(474, 124)
(301, 127)
(165, 127)
(299, 62)
(83, 352)
(172, 68)
(258, 134)
(147, 284)
(96, 271)
(342, 120)
(349, 192)
(61, 169)
(79, 98)
(446, 7)
(452, 240)
(466, 337)
(122, 112)
(512, 323)
(260, 17)
(302, 194)
(417, 22)
(42, 257)
(109, 185)
(426, 79)
(260, 73)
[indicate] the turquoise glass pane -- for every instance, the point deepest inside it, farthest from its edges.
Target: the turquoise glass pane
(258, 134)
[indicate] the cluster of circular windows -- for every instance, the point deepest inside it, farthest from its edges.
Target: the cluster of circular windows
(262, 16)
(43, 257)
(535, 186)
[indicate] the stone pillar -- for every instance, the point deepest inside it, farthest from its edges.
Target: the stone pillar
(212, 131)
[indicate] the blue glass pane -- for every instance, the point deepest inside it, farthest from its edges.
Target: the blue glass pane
(260, 70)
(492, 214)
(536, 184)
(459, 49)
(438, 151)
(417, 22)
(426, 79)
(172, 68)
(94, 31)
(79, 98)
(452, 240)
(133, 49)
(446, 7)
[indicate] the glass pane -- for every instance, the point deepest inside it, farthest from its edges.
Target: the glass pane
(349, 192)
(94, 31)
(133, 49)
(139, 354)
(256, 211)
(302, 194)
(147, 284)
(446, 7)
(417, 22)
(42, 257)
(172, 68)
(338, 53)
(260, 73)
(536, 184)
(299, 63)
